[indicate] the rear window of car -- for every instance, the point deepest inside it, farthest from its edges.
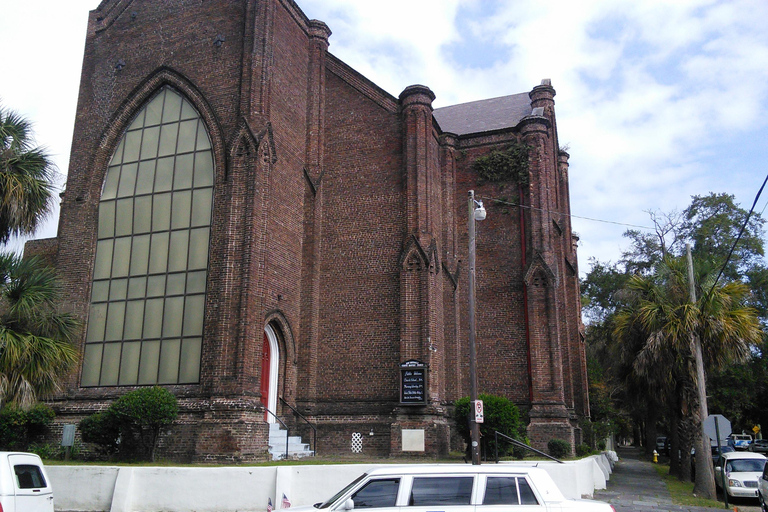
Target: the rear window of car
(443, 490)
(29, 476)
(508, 490)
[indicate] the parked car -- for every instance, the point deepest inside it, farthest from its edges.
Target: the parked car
(762, 489)
(24, 485)
(742, 472)
(759, 445)
(459, 488)
(739, 441)
(723, 449)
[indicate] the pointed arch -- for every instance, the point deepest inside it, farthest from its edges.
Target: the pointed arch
(280, 323)
(413, 257)
(270, 371)
(539, 273)
(149, 281)
(142, 93)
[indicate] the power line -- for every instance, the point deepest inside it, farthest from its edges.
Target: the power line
(501, 201)
(741, 232)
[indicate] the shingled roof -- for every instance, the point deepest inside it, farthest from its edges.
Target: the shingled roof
(484, 115)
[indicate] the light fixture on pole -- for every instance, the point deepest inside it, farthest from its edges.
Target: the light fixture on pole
(476, 212)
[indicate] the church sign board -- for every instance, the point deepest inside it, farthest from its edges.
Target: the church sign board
(413, 383)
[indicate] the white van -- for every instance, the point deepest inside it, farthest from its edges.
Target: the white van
(453, 488)
(24, 485)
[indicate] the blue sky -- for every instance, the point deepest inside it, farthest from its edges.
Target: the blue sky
(656, 100)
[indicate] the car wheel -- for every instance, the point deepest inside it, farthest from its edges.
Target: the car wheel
(763, 506)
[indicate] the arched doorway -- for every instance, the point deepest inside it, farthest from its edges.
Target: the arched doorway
(270, 365)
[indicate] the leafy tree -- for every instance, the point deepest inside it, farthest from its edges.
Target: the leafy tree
(663, 317)
(35, 338)
(132, 425)
(18, 427)
(647, 249)
(738, 390)
(26, 178)
(144, 413)
(712, 223)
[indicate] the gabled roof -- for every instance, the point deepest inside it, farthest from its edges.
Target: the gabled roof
(484, 115)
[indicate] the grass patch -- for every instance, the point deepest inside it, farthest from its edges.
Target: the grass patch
(682, 492)
(454, 457)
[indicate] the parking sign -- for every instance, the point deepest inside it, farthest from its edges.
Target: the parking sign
(478, 411)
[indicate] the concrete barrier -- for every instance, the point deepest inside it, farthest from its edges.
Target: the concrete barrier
(247, 488)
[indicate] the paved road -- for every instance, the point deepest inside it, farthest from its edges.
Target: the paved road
(635, 486)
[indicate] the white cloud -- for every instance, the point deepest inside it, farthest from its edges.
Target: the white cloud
(652, 95)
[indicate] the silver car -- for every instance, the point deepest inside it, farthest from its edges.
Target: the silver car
(759, 445)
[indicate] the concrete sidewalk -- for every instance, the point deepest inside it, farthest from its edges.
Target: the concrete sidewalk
(635, 486)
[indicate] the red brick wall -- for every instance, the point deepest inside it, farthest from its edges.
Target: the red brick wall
(325, 184)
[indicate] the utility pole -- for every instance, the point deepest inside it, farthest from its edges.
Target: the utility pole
(476, 212)
(703, 465)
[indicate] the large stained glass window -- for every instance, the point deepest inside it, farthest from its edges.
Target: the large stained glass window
(147, 303)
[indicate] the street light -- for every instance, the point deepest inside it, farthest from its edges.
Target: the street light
(476, 212)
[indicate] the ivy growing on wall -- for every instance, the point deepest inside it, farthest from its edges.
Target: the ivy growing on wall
(503, 166)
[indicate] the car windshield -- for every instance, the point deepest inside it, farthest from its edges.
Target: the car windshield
(327, 503)
(745, 465)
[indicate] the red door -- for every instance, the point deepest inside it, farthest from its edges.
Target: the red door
(265, 366)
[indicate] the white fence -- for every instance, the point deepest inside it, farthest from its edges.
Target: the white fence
(248, 489)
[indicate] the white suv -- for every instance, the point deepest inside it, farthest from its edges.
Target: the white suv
(454, 488)
(743, 472)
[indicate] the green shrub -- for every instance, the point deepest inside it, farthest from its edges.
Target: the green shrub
(103, 430)
(19, 427)
(559, 448)
(601, 444)
(131, 426)
(583, 450)
(54, 451)
(499, 414)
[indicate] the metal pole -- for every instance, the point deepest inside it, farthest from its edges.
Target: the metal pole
(472, 351)
(720, 460)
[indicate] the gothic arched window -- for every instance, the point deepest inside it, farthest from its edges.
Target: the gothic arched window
(145, 324)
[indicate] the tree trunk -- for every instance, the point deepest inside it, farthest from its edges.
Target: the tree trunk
(651, 416)
(687, 435)
(674, 441)
(637, 432)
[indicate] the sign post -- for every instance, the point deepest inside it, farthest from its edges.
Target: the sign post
(718, 427)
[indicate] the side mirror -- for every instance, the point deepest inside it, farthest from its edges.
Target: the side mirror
(348, 505)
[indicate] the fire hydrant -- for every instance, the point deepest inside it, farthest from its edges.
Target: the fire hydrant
(655, 457)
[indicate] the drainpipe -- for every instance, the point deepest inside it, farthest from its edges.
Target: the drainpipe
(525, 294)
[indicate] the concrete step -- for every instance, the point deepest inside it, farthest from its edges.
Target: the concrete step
(277, 440)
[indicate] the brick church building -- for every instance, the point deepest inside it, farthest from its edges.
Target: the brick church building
(254, 225)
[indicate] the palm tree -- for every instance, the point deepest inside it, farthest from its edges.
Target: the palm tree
(661, 313)
(26, 178)
(36, 346)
